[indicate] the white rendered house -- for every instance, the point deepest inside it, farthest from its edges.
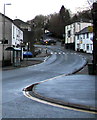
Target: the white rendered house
(84, 40)
(17, 35)
(70, 31)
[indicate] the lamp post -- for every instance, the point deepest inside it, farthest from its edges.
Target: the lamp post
(4, 31)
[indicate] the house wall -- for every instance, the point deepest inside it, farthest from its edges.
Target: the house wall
(0, 52)
(1, 29)
(8, 31)
(17, 35)
(9, 36)
(83, 43)
(0, 55)
(73, 28)
(1, 32)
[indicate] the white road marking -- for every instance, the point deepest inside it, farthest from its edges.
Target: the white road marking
(51, 52)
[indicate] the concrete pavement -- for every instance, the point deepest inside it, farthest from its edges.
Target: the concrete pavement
(29, 61)
(77, 91)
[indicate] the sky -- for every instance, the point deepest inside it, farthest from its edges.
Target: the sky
(28, 9)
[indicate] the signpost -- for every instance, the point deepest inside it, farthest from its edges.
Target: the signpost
(46, 46)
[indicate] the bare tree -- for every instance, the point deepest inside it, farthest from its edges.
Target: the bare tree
(90, 3)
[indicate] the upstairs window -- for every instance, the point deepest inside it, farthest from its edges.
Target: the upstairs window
(69, 33)
(13, 32)
(83, 46)
(87, 35)
(5, 42)
(83, 36)
(87, 46)
(77, 37)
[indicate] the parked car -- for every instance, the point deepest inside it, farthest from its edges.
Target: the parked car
(52, 42)
(27, 54)
(48, 41)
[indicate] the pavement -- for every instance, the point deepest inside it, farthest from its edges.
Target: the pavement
(78, 91)
(29, 61)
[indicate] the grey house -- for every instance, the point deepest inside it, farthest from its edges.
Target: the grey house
(11, 36)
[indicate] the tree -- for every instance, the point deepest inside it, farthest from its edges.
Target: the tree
(64, 15)
(85, 16)
(55, 24)
(62, 12)
(74, 18)
(58, 21)
(90, 3)
(38, 26)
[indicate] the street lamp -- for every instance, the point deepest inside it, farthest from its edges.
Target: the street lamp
(4, 30)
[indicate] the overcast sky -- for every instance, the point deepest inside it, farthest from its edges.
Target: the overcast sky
(28, 9)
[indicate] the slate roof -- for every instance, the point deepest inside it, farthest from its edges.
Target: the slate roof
(10, 20)
(88, 29)
(19, 22)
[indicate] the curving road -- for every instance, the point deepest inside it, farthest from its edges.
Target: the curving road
(16, 105)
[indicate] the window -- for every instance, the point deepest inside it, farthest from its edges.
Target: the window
(78, 45)
(83, 36)
(6, 42)
(83, 46)
(87, 46)
(13, 32)
(69, 33)
(87, 35)
(77, 37)
(18, 33)
(91, 46)
(81, 41)
(0, 41)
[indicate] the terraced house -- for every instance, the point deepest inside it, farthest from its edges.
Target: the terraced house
(84, 40)
(11, 37)
(70, 31)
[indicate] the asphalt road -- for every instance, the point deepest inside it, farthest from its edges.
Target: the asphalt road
(16, 105)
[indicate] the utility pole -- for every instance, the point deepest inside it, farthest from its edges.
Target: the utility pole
(3, 36)
(4, 32)
(94, 15)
